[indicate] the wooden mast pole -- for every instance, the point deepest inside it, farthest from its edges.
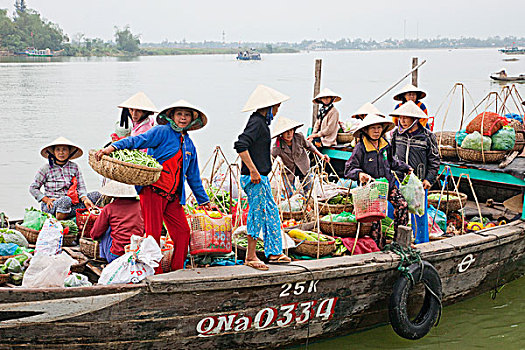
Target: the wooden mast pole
(317, 88)
(414, 73)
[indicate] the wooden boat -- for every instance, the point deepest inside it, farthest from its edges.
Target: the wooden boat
(250, 55)
(519, 78)
(514, 50)
(239, 307)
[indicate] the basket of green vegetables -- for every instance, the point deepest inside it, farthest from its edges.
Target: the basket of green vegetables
(131, 167)
(336, 205)
(343, 225)
(449, 200)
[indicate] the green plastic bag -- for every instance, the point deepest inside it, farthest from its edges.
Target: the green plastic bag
(441, 218)
(504, 139)
(473, 141)
(34, 219)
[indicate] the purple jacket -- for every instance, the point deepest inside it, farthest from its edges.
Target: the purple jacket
(376, 163)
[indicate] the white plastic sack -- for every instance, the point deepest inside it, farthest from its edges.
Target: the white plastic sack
(294, 203)
(125, 269)
(77, 280)
(133, 267)
(47, 270)
(412, 190)
(49, 240)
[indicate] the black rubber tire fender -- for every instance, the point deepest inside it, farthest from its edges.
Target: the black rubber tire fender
(430, 311)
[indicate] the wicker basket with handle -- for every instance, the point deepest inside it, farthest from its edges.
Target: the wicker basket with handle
(471, 155)
(131, 174)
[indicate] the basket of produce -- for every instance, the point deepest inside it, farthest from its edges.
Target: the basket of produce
(449, 200)
(471, 155)
(520, 142)
(70, 232)
(344, 137)
(308, 242)
(86, 219)
(293, 208)
(90, 248)
(371, 201)
(131, 167)
(448, 152)
(336, 205)
(343, 225)
(30, 234)
(241, 245)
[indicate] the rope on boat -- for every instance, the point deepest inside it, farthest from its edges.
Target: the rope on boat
(408, 257)
(308, 322)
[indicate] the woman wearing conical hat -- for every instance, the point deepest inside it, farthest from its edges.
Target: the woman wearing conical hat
(170, 144)
(118, 220)
(366, 109)
(291, 146)
(372, 158)
(138, 109)
(324, 133)
(412, 93)
(417, 146)
(253, 147)
(64, 187)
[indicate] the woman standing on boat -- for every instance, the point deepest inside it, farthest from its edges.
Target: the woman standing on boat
(291, 146)
(253, 146)
(170, 144)
(65, 190)
(324, 133)
(372, 158)
(138, 109)
(417, 146)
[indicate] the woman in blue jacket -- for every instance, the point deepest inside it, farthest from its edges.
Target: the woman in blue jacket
(372, 158)
(170, 144)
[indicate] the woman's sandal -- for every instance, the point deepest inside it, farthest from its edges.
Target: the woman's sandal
(280, 259)
(256, 264)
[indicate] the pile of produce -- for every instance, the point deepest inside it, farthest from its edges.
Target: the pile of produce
(436, 196)
(387, 227)
(290, 223)
(16, 266)
(307, 236)
(70, 227)
(340, 199)
(342, 217)
(220, 198)
(13, 236)
(340, 248)
(135, 157)
(242, 241)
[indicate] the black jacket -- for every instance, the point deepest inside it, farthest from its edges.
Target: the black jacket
(420, 150)
(256, 139)
(375, 163)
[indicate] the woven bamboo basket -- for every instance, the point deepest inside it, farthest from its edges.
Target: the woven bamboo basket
(325, 208)
(80, 266)
(297, 215)
(344, 137)
(471, 155)
(520, 142)
(516, 125)
(131, 174)
(451, 204)
(448, 152)
(4, 278)
(309, 248)
(30, 234)
(69, 240)
(344, 229)
(90, 248)
(446, 138)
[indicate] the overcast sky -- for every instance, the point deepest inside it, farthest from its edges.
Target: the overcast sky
(283, 20)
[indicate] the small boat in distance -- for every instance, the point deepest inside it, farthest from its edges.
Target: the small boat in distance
(502, 76)
(249, 55)
(513, 50)
(32, 52)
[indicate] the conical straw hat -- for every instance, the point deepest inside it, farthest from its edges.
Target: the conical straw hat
(367, 108)
(62, 141)
(409, 88)
(264, 96)
(283, 125)
(373, 119)
(409, 109)
(184, 104)
(139, 101)
(326, 92)
(118, 189)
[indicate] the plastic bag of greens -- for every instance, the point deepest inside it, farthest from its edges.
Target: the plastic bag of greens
(460, 136)
(504, 139)
(77, 280)
(441, 218)
(412, 189)
(13, 265)
(473, 141)
(34, 219)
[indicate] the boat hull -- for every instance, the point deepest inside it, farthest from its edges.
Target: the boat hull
(239, 307)
(514, 79)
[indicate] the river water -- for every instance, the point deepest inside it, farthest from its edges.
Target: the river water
(42, 99)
